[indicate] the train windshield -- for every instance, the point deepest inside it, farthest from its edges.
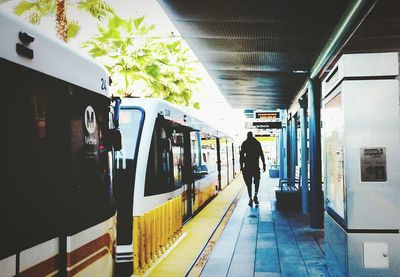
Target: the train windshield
(130, 123)
(56, 172)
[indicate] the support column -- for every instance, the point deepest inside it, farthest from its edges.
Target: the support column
(281, 155)
(316, 194)
(283, 146)
(293, 146)
(288, 146)
(304, 156)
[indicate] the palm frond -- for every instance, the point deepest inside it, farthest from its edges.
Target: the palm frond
(23, 7)
(163, 65)
(97, 8)
(73, 29)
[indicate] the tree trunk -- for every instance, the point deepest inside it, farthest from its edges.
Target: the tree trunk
(61, 20)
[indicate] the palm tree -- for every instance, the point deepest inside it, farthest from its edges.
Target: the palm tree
(163, 65)
(123, 55)
(179, 74)
(36, 10)
(61, 21)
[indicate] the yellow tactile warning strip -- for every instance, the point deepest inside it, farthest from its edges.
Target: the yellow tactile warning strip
(198, 230)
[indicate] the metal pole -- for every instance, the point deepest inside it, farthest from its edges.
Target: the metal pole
(289, 147)
(304, 160)
(283, 146)
(352, 18)
(293, 147)
(281, 154)
(316, 194)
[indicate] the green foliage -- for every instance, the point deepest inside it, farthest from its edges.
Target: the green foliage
(22, 7)
(179, 75)
(35, 10)
(73, 29)
(121, 56)
(163, 65)
(97, 8)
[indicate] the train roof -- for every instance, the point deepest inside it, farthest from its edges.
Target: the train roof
(171, 112)
(49, 55)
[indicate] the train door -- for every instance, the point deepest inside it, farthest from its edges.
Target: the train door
(233, 161)
(168, 167)
(219, 162)
(228, 161)
(180, 139)
(224, 163)
(188, 190)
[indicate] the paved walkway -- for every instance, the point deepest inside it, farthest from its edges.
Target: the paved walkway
(261, 241)
(197, 232)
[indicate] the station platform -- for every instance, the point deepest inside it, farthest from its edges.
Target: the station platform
(197, 233)
(262, 241)
(229, 238)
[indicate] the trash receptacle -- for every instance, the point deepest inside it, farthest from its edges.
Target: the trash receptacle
(274, 171)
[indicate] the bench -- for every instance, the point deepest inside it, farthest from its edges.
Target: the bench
(288, 195)
(290, 184)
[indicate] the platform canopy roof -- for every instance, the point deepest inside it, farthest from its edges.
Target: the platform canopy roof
(260, 52)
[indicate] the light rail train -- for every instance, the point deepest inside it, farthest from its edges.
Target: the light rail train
(58, 213)
(69, 193)
(166, 153)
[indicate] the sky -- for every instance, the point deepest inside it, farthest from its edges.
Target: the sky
(214, 108)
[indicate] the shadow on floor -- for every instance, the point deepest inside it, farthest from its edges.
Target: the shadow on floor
(264, 241)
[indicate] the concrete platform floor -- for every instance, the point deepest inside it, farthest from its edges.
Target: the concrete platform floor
(197, 232)
(262, 241)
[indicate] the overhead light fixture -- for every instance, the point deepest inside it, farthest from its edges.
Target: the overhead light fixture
(300, 71)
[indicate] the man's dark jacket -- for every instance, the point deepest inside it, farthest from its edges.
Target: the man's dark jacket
(250, 153)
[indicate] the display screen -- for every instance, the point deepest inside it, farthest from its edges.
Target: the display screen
(267, 115)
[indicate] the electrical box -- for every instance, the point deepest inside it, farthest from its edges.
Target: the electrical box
(376, 255)
(361, 142)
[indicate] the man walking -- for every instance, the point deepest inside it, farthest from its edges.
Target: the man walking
(250, 153)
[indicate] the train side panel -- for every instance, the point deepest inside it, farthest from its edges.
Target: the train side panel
(57, 179)
(174, 172)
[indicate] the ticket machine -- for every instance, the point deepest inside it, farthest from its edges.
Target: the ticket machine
(361, 159)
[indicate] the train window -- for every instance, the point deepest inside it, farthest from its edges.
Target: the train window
(159, 175)
(31, 178)
(165, 167)
(40, 198)
(178, 156)
(130, 123)
(208, 148)
(202, 167)
(196, 154)
(92, 191)
(39, 103)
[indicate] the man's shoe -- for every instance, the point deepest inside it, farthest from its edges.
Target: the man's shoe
(256, 200)
(250, 202)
